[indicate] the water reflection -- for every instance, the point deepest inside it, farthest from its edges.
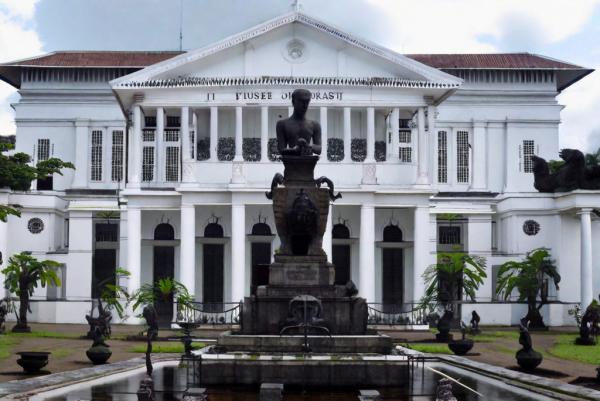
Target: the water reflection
(169, 384)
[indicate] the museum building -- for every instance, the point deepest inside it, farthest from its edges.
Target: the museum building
(174, 152)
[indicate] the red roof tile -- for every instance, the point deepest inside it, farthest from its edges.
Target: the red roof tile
(491, 61)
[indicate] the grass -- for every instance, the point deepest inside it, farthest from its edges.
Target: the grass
(6, 344)
(565, 348)
(430, 348)
(165, 347)
(493, 336)
(45, 334)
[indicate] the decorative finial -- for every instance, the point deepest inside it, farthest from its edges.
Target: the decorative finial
(297, 6)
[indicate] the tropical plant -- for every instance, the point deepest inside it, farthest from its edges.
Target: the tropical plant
(163, 290)
(22, 276)
(453, 274)
(528, 277)
(112, 294)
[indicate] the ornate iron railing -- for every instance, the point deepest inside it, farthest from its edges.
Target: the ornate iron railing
(216, 313)
(395, 314)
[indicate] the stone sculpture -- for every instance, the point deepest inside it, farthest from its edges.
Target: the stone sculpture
(572, 175)
(4, 309)
(444, 390)
(475, 319)
(305, 313)
(151, 317)
(443, 325)
(589, 328)
(464, 345)
(101, 321)
(527, 357)
(99, 352)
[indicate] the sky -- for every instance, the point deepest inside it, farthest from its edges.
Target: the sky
(568, 30)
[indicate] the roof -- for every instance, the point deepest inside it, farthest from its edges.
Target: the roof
(492, 61)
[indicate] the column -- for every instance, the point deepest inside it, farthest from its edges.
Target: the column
(431, 141)
(134, 247)
(185, 134)
(160, 142)
(238, 252)
(347, 134)
(238, 135)
(79, 270)
(264, 134)
(587, 294)
(3, 246)
(135, 141)
(194, 138)
(479, 170)
(393, 144)
(370, 135)
(422, 177)
(323, 122)
(214, 133)
(327, 239)
(479, 243)
(290, 111)
(80, 176)
(422, 250)
(187, 248)
(366, 275)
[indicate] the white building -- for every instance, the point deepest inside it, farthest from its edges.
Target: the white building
(176, 147)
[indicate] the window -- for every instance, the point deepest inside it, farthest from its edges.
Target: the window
(405, 151)
(442, 157)
(173, 121)
(148, 163)
(405, 154)
(462, 157)
(528, 151)
(148, 135)
(116, 173)
(171, 135)
(449, 235)
(150, 121)
(96, 159)
(495, 270)
(107, 232)
(58, 292)
(43, 150)
(172, 164)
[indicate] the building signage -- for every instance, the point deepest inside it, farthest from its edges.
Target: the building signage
(271, 95)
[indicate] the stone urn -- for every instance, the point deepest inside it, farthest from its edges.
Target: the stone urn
(98, 354)
(32, 362)
(528, 360)
(461, 347)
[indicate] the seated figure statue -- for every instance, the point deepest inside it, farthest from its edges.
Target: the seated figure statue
(294, 134)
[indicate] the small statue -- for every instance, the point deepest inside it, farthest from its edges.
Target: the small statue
(463, 330)
(443, 326)
(573, 174)
(4, 309)
(102, 321)
(589, 328)
(151, 317)
(444, 390)
(294, 134)
(475, 319)
(146, 390)
(527, 357)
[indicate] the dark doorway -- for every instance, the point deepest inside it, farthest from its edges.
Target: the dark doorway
(393, 269)
(104, 266)
(164, 267)
(261, 256)
(212, 270)
(340, 254)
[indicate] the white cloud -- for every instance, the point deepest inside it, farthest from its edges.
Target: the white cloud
(17, 40)
(435, 26)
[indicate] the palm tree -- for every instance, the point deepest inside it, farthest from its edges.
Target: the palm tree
(162, 292)
(22, 276)
(528, 277)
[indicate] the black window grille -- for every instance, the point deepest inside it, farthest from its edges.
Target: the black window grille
(106, 232)
(449, 235)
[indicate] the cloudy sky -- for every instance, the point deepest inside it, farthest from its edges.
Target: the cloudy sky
(564, 29)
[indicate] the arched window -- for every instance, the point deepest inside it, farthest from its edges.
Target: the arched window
(340, 231)
(261, 229)
(213, 230)
(392, 233)
(164, 231)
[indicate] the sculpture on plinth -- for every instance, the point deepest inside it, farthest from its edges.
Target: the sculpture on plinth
(527, 357)
(146, 389)
(572, 175)
(444, 390)
(100, 321)
(590, 321)
(475, 319)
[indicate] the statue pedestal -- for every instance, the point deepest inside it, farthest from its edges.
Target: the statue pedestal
(301, 271)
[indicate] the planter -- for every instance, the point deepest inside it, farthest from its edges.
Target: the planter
(98, 354)
(461, 347)
(529, 360)
(443, 337)
(32, 362)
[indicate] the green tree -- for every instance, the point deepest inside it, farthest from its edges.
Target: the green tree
(163, 290)
(592, 159)
(22, 276)
(112, 294)
(528, 277)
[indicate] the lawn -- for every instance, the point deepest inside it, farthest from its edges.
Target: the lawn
(430, 348)
(493, 336)
(565, 348)
(6, 344)
(165, 347)
(45, 334)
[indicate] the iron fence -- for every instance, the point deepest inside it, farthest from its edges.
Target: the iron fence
(395, 314)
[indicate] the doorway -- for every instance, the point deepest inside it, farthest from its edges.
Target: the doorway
(392, 268)
(340, 254)
(164, 267)
(213, 270)
(260, 255)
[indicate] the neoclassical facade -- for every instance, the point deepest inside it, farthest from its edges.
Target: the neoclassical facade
(174, 152)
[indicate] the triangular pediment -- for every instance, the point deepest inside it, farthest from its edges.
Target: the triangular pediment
(294, 46)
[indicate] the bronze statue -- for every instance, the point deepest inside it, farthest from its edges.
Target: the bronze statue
(573, 174)
(294, 134)
(151, 317)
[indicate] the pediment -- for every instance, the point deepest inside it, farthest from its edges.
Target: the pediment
(294, 47)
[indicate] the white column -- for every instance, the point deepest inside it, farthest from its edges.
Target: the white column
(431, 141)
(187, 248)
(238, 135)
(290, 111)
(134, 248)
(160, 142)
(327, 239)
(3, 247)
(80, 176)
(422, 250)
(323, 122)
(479, 170)
(194, 143)
(370, 135)
(238, 252)
(394, 143)
(366, 275)
(423, 166)
(185, 134)
(347, 134)
(79, 259)
(264, 134)
(135, 140)
(587, 293)
(214, 132)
